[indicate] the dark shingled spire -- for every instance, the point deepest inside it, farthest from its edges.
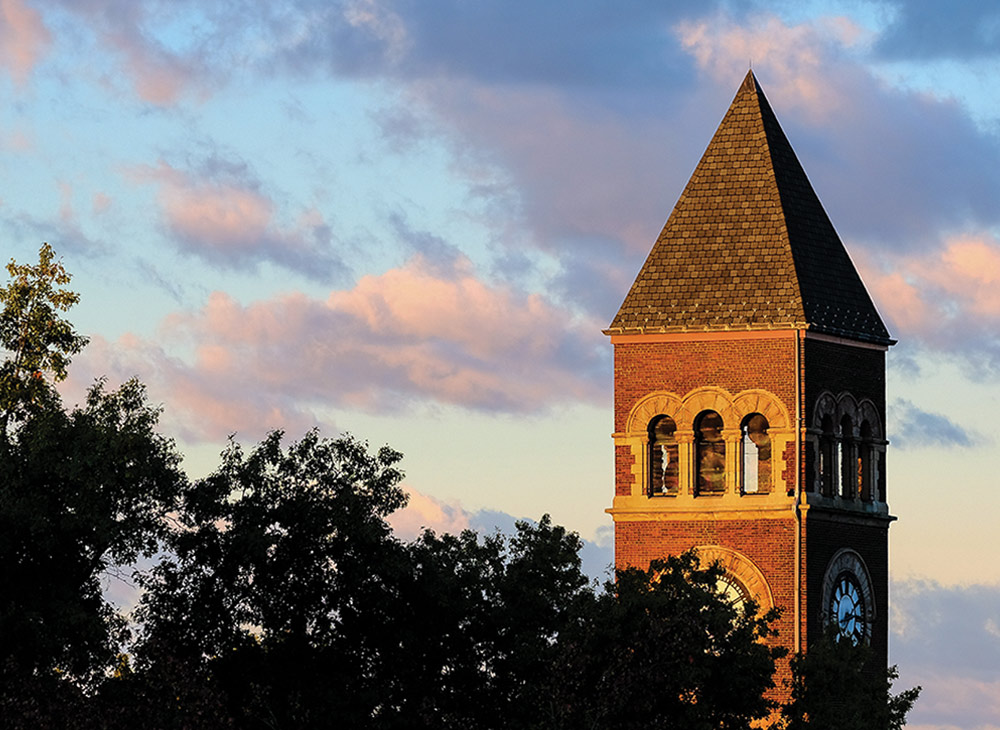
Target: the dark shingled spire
(748, 245)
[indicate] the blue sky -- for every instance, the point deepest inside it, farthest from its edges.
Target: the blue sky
(410, 219)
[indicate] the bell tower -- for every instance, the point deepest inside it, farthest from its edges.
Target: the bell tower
(750, 393)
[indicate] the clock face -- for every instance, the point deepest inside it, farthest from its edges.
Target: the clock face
(848, 599)
(732, 592)
(847, 608)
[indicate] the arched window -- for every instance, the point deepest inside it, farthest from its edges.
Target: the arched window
(663, 459)
(865, 462)
(848, 460)
(826, 457)
(755, 455)
(711, 453)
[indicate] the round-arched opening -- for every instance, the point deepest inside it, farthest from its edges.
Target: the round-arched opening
(710, 448)
(865, 448)
(664, 461)
(826, 456)
(755, 455)
(848, 460)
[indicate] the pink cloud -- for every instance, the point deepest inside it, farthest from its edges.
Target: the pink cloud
(158, 77)
(101, 203)
(893, 166)
(225, 218)
(157, 74)
(24, 39)
(424, 512)
(408, 336)
(948, 699)
(796, 58)
(946, 298)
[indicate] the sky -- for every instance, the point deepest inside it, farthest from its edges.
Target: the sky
(411, 219)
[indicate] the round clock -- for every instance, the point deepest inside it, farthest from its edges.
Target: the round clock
(848, 601)
(847, 608)
(732, 591)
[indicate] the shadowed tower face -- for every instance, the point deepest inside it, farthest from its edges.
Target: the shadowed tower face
(750, 393)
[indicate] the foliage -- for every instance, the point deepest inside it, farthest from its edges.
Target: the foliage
(287, 593)
(38, 341)
(836, 687)
(83, 492)
(662, 648)
(277, 582)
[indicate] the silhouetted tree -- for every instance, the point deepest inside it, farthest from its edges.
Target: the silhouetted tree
(836, 687)
(662, 648)
(83, 491)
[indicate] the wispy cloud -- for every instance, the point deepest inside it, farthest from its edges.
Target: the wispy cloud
(221, 214)
(408, 336)
(945, 299)
(24, 39)
(944, 639)
(134, 34)
(914, 428)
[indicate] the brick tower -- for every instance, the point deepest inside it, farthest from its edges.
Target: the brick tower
(750, 393)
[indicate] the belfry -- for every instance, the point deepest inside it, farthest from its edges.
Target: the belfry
(750, 393)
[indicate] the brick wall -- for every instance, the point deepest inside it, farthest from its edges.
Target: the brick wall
(838, 367)
(769, 543)
(826, 535)
(736, 365)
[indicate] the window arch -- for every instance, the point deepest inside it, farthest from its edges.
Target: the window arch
(663, 457)
(865, 462)
(710, 450)
(755, 455)
(826, 456)
(848, 460)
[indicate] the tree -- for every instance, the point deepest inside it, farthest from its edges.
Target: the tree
(663, 648)
(288, 598)
(276, 583)
(477, 630)
(82, 491)
(39, 343)
(835, 687)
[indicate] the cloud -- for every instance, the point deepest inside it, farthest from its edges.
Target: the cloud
(915, 428)
(394, 341)
(424, 512)
(144, 38)
(945, 299)
(24, 39)
(65, 227)
(926, 29)
(613, 47)
(944, 639)
(220, 214)
(594, 173)
(896, 167)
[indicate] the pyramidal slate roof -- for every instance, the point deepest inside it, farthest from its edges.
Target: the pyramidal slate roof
(748, 245)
